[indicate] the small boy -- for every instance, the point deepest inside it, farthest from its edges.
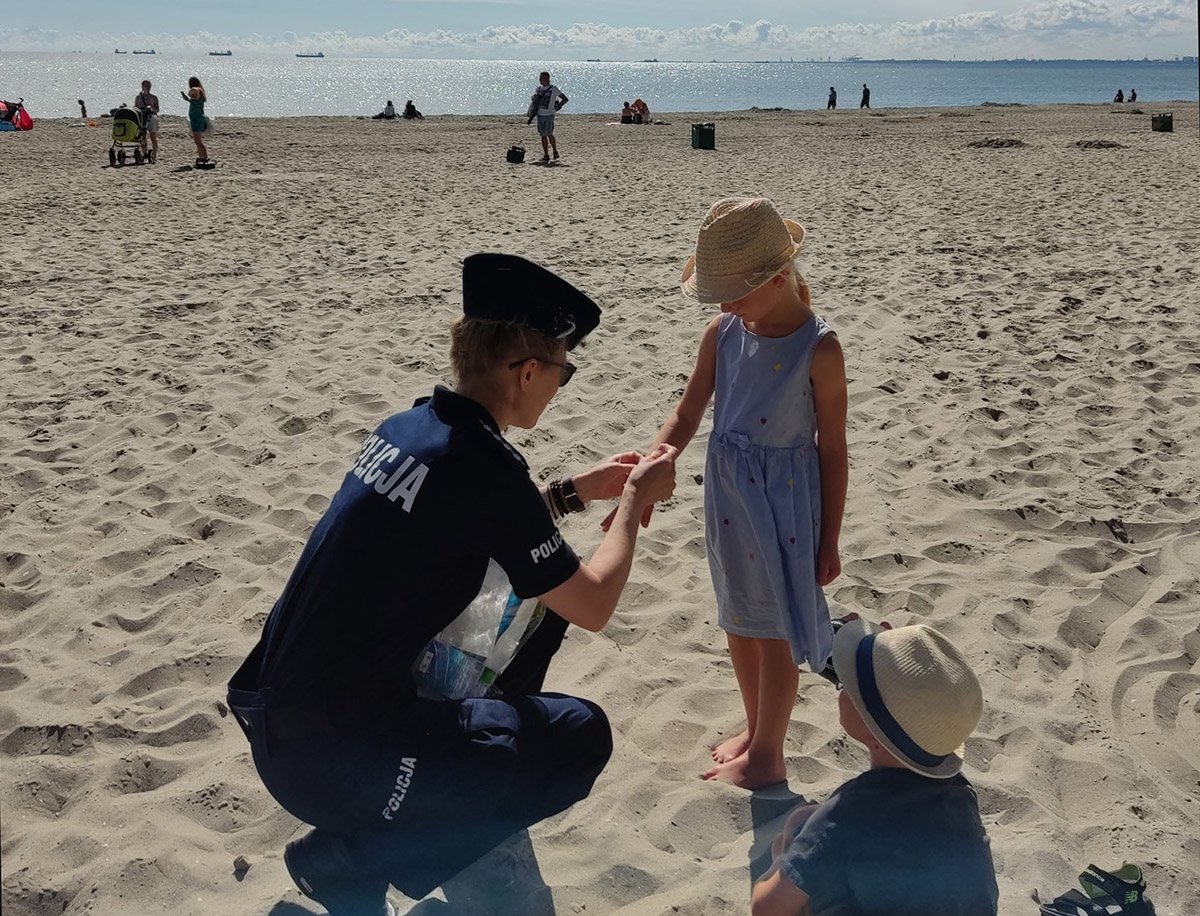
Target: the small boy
(904, 838)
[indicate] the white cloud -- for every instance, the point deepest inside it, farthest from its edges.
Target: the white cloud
(1050, 28)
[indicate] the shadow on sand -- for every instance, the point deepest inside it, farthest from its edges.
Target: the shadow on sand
(506, 880)
(769, 808)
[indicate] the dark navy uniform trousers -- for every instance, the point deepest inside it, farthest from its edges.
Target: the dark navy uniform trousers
(412, 792)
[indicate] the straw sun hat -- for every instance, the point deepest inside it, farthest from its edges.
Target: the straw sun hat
(914, 690)
(743, 243)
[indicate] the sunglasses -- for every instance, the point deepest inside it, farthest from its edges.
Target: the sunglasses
(565, 369)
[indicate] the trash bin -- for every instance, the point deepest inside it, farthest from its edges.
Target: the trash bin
(704, 136)
(1159, 122)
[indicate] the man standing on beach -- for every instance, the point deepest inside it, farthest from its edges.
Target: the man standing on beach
(147, 103)
(547, 100)
(832, 99)
(866, 99)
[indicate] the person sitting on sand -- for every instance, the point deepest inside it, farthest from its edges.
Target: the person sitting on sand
(403, 787)
(1120, 96)
(641, 112)
(905, 837)
(626, 113)
(1133, 95)
(411, 113)
(388, 113)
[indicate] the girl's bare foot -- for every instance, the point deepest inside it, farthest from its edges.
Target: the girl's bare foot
(733, 747)
(749, 773)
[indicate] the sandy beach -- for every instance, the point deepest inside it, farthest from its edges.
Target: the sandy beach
(192, 359)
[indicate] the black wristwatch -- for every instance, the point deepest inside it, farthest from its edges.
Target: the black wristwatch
(571, 496)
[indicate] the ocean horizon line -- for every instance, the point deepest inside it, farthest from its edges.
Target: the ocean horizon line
(1182, 60)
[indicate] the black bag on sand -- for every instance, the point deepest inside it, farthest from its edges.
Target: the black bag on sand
(515, 154)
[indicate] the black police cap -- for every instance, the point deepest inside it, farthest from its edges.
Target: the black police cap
(505, 287)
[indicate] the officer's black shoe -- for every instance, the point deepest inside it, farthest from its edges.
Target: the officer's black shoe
(318, 865)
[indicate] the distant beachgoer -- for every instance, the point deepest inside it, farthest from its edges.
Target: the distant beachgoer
(832, 99)
(641, 112)
(389, 112)
(906, 835)
(147, 103)
(1133, 95)
(866, 99)
(411, 113)
(82, 108)
(626, 113)
(1119, 97)
(776, 472)
(545, 103)
(196, 97)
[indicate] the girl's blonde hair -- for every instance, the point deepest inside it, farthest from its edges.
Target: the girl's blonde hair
(799, 283)
(479, 346)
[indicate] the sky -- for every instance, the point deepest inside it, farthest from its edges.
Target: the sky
(617, 29)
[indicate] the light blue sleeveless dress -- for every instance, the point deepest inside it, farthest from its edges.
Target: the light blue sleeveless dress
(762, 490)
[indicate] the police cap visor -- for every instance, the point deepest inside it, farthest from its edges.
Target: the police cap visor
(505, 287)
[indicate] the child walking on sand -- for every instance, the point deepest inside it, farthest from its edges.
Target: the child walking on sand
(776, 471)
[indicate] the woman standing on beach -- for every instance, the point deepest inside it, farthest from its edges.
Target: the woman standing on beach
(776, 473)
(196, 97)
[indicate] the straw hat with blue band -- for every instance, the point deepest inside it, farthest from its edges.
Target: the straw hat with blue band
(743, 243)
(915, 691)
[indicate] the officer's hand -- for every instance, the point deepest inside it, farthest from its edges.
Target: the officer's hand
(607, 479)
(654, 477)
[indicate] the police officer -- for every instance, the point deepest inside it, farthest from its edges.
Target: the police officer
(406, 790)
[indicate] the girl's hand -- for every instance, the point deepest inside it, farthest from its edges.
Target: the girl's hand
(186, 98)
(654, 478)
(829, 564)
(607, 479)
(649, 477)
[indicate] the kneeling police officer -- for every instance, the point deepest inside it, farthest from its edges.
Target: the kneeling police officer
(408, 791)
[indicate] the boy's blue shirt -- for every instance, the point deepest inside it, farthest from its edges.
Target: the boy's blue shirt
(897, 843)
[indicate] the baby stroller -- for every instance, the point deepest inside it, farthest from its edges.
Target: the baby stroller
(13, 116)
(128, 132)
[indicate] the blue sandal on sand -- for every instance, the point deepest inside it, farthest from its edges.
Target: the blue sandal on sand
(1119, 893)
(1125, 887)
(1074, 903)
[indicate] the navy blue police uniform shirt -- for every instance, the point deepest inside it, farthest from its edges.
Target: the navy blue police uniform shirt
(434, 493)
(891, 842)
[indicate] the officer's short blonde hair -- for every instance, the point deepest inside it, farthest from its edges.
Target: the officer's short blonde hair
(479, 346)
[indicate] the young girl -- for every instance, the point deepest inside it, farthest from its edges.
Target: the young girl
(196, 97)
(776, 472)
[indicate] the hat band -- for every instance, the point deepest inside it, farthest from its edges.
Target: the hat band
(878, 711)
(773, 266)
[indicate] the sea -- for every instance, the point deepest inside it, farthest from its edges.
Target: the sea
(277, 86)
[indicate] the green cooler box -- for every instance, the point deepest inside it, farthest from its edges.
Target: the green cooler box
(704, 136)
